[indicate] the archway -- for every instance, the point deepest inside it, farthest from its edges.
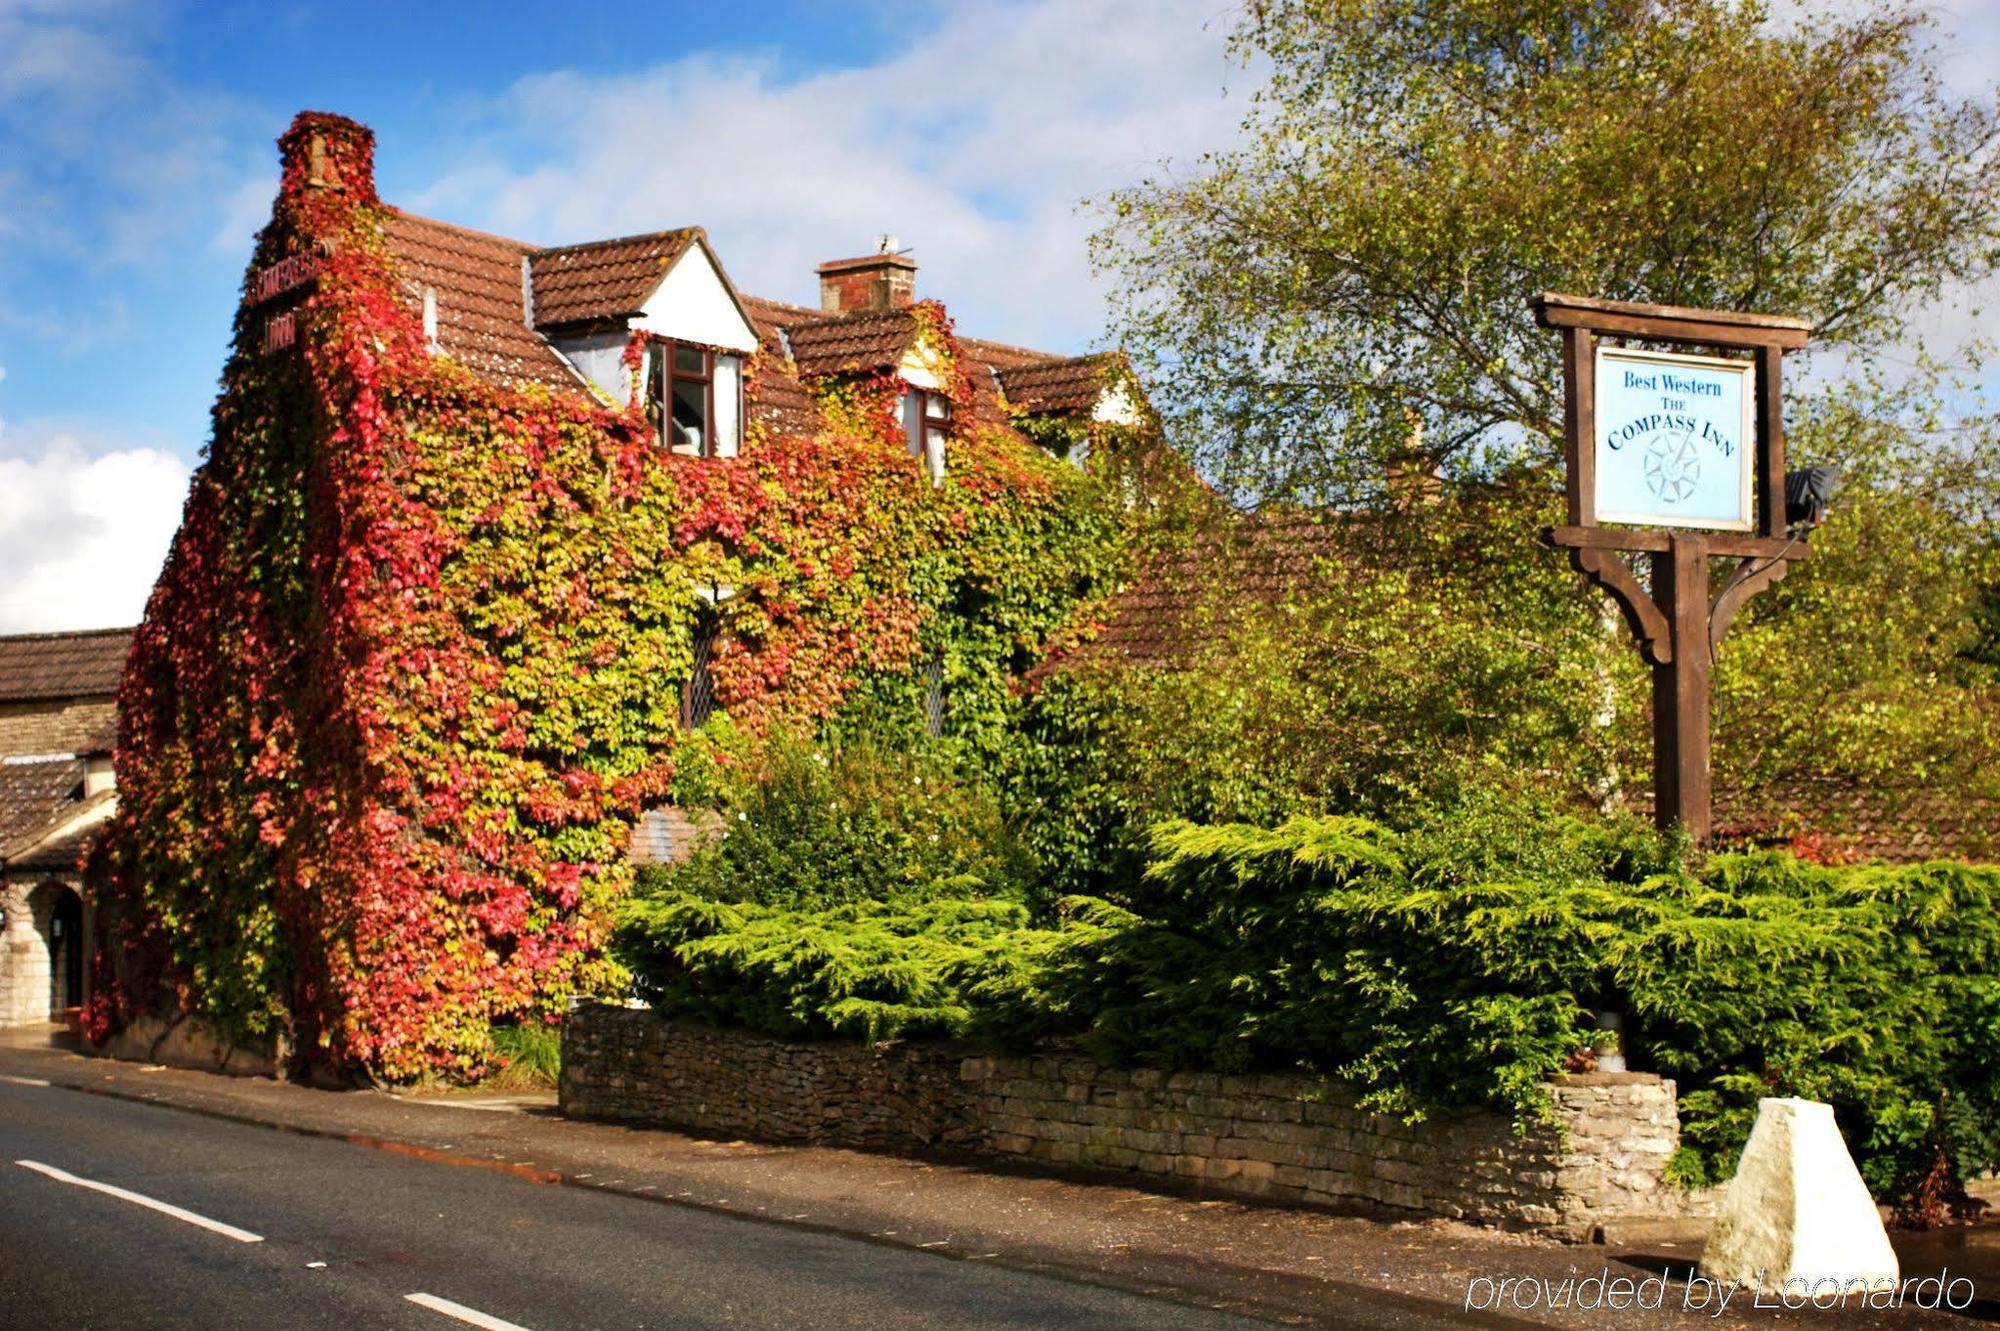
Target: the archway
(65, 952)
(41, 951)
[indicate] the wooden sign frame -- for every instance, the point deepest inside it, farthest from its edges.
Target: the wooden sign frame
(1682, 617)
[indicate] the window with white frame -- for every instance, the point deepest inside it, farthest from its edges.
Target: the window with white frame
(694, 397)
(927, 426)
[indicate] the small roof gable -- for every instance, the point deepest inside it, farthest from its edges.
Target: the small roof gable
(40, 666)
(853, 342)
(604, 279)
(478, 286)
(34, 792)
(1073, 384)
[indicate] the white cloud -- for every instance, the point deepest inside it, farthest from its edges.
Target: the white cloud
(972, 143)
(82, 537)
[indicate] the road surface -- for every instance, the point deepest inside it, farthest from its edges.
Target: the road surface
(120, 1215)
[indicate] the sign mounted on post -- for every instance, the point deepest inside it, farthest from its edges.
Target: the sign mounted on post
(1676, 440)
(1686, 451)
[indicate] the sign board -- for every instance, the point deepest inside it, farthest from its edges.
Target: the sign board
(287, 274)
(1676, 440)
(280, 331)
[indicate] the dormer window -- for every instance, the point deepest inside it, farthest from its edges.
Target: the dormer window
(927, 426)
(694, 397)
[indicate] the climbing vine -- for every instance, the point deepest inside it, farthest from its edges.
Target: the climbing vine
(413, 667)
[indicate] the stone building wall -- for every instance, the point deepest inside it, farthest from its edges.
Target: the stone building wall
(60, 725)
(30, 974)
(1277, 1138)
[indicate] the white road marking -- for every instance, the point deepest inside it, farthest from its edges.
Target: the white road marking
(22, 1081)
(140, 1199)
(470, 1316)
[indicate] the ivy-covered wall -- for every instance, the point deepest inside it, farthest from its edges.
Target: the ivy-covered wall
(413, 666)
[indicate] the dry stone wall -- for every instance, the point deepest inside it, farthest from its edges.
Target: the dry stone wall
(1277, 1138)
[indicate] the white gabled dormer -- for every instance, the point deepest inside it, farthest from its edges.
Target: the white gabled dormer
(1115, 406)
(668, 287)
(694, 371)
(695, 303)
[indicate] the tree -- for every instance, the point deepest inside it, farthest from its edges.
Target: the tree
(1347, 289)
(1862, 668)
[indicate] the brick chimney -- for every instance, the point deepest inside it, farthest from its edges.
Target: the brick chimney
(330, 154)
(884, 280)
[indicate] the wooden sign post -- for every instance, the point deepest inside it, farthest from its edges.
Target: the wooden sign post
(1686, 452)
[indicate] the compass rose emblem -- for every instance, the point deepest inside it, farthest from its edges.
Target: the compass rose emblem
(1672, 465)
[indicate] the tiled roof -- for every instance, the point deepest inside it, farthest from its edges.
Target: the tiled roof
(852, 342)
(604, 279)
(778, 400)
(62, 665)
(476, 279)
(1170, 610)
(64, 855)
(1003, 355)
(1903, 824)
(31, 793)
(1073, 384)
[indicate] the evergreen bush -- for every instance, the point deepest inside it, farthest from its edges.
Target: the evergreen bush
(1452, 964)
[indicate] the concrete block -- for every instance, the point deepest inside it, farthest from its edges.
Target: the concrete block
(1797, 1210)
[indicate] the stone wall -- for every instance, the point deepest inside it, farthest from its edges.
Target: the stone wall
(1277, 1138)
(61, 725)
(185, 1042)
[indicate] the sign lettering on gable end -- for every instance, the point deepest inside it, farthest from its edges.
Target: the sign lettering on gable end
(275, 279)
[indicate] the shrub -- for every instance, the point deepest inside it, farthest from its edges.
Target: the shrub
(1451, 964)
(811, 824)
(870, 969)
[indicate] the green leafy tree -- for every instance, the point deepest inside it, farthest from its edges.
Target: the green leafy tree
(1862, 668)
(1349, 285)
(1339, 305)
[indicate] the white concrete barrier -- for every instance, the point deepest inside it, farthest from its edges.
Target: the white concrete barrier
(1797, 1219)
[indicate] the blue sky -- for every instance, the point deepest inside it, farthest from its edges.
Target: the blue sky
(137, 161)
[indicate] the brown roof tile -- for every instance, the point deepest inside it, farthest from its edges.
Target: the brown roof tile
(1176, 604)
(776, 399)
(62, 665)
(1902, 824)
(31, 793)
(1004, 355)
(1073, 384)
(852, 342)
(476, 279)
(604, 279)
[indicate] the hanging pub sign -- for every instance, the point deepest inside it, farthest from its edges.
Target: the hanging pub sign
(1685, 452)
(1676, 440)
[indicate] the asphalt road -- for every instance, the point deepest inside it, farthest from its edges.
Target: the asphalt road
(347, 1233)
